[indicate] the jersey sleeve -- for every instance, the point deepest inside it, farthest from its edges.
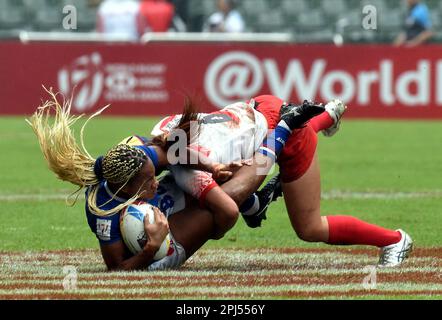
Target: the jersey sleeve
(106, 229)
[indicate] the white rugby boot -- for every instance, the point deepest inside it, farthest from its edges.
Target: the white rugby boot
(393, 255)
(335, 108)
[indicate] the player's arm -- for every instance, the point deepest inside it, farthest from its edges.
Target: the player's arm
(248, 179)
(220, 172)
(115, 254)
(224, 201)
(196, 160)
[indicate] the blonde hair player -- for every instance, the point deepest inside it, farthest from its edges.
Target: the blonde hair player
(124, 175)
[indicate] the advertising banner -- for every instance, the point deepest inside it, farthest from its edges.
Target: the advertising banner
(376, 81)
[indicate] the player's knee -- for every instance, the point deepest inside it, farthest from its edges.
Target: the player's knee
(231, 213)
(225, 220)
(230, 216)
(310, 233)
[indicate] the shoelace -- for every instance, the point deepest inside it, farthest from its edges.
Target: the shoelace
(388, 253)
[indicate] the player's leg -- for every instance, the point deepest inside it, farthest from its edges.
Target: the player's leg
(277, 113)
(192, 227)
(329, 121)
(201, 186)
(248, 179)
(302, 197)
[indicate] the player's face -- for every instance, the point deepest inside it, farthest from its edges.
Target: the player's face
(143, 183)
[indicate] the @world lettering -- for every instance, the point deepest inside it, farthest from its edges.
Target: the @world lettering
(232, 310)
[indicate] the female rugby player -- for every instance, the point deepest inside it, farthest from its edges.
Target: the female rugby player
(125, 174)
(300, 178)
(392, 254)
(301, 187)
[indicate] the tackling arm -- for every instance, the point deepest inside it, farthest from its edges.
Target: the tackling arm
(248, 178)
(198, 161)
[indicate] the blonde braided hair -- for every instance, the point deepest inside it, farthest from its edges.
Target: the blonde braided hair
(122, 162)
(70, 163)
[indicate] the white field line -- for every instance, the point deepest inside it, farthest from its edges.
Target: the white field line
(229, 290)
(202, 275)
(340, 194)
(230, 280)
(329, 195)
(221, 261)
(99, 271)
(129, 277)
(295, 263)
(206, 257)
(34, 197)
(175, 280)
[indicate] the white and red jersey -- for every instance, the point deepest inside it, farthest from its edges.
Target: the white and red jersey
(231, 134)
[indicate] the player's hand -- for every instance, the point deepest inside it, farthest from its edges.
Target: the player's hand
(223, 172)
(156, 232)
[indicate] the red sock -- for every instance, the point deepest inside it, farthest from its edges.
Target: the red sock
(321, 122)
(345, 230)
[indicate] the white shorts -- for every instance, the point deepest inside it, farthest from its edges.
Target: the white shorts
(172, 261)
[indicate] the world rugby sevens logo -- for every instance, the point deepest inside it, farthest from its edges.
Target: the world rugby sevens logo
(232, 77)
(84, 79)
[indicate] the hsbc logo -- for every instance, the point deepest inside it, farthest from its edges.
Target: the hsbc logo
(240, 75)
(88, 79)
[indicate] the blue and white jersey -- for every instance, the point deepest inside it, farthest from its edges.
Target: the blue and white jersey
(105, 228)
(418, 20)
(169, 198)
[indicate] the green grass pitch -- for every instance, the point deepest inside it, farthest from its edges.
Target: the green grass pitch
(385, 172)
